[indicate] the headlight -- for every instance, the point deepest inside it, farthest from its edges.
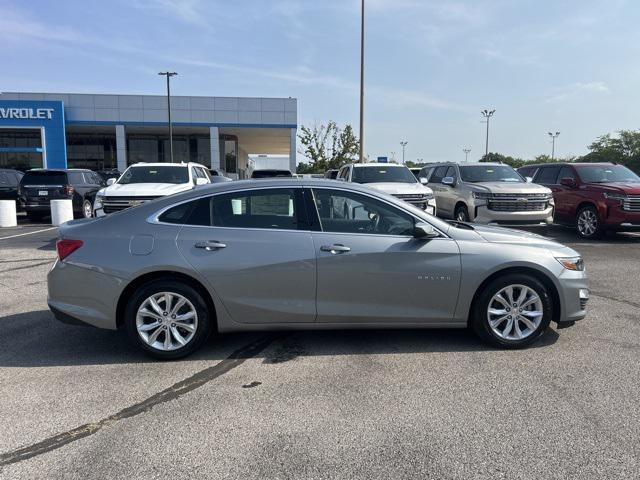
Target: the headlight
(97, 203)
(572, 263)
(615, 195)
(482, 195)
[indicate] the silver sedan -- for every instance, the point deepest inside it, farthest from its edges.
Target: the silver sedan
(287, 254)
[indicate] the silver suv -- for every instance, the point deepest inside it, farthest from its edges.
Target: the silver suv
(488, 193)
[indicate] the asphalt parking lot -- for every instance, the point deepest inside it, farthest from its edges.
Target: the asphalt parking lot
(82, 403)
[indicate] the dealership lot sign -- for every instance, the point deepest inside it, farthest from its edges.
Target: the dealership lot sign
(26, 113)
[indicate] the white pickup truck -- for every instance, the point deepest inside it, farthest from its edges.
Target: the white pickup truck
(146, 181)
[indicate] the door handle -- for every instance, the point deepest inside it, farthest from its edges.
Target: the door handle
(335, 249)
(210, 245)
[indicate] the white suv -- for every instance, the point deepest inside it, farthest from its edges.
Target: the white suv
(391, 178)
(146, 181)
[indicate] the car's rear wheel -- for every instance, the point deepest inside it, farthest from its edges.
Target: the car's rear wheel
(167, 319)
(512, 311)
(587, 223)
(87, 209)
(461, 213)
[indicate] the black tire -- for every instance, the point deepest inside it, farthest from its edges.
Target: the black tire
(203, 328)
(479, 315)
(87, 204)
(590, 232)
(461, 214)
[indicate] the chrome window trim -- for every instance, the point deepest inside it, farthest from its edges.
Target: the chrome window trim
(153, 218)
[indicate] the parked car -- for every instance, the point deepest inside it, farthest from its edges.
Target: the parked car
(39, 186)
(390, 178)
(270, 173)
(108, 173)
(9, 181)
(592, 197)
(217, 176)
(488, 193)
(172, 271)
(331, 174)
(143, 182)
(416, 171)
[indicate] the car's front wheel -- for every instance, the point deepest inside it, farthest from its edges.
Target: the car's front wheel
(87, 209)
(587, 223)
(512, 311)
(461, 213)
(167, 319)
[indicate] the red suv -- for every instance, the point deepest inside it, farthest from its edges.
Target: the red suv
(593, 197)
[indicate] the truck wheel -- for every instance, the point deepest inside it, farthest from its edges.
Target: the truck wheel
(462, 214)
(587, 222)
(87, 209)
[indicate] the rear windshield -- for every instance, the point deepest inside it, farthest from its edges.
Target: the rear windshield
(159, 174)
(44, 178)
(270, 173)
(490, 173)
(606, 174)
(383, 174)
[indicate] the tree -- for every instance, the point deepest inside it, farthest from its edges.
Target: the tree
(623, 149)
(499, 158)
(327, 147)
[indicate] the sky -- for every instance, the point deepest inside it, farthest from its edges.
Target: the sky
(431, 66)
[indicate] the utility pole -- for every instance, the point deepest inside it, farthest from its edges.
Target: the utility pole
(466, 153)
(169, 75)
(362, 82)
(403, 144)
(487, 114)
(553, 143)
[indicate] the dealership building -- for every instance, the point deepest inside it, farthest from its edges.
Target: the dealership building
(70, 130)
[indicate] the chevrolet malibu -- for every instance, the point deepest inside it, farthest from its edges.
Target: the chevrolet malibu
(243, 256)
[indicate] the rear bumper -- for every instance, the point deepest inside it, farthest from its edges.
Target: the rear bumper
(81, 295)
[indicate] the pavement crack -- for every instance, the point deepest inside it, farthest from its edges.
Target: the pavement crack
(48, 262)
(608, 297)
(237, 358)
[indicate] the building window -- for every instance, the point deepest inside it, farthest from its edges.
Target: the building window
(20, 148)
(20, 138)
(155, 148)
(229, 153)
(91, 150)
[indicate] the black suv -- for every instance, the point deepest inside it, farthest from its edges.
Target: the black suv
(38, 187)
(9, 181)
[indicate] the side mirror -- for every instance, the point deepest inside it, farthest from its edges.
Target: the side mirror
(111, 181)
(568, 182)
(450, 181)
(423, 180)
(529, 179)
(424, 231)
(202, 181)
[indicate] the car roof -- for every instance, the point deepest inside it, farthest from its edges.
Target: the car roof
(167, 164)
(377, 164)
(575, 164)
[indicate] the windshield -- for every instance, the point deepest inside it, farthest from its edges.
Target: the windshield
(383, 174)
(606, 174)
(158, 174)
(490, 173)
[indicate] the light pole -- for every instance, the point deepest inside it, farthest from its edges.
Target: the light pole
(553, 143)
(403, 144)
(466, 153)
(169, 75)
(362, 82)
(487, 114)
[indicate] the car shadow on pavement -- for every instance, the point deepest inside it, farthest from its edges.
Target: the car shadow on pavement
(36, 339)
(568, 235)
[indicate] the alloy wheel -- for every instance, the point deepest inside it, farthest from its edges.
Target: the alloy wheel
(87, 209)
(462, 216)
(587, 222)
(166, 321)
(515, 312)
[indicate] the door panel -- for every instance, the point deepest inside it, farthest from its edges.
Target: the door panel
(246, 245)
(386, 279)
(262, 276)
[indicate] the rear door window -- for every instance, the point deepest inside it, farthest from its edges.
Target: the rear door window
(548, 175)
(566, 172)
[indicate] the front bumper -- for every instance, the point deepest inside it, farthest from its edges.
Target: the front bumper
(574, 296)
(616, 218)
(540, 218)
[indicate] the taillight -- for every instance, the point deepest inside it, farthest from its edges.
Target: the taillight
(68, 189)
(67, 247)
